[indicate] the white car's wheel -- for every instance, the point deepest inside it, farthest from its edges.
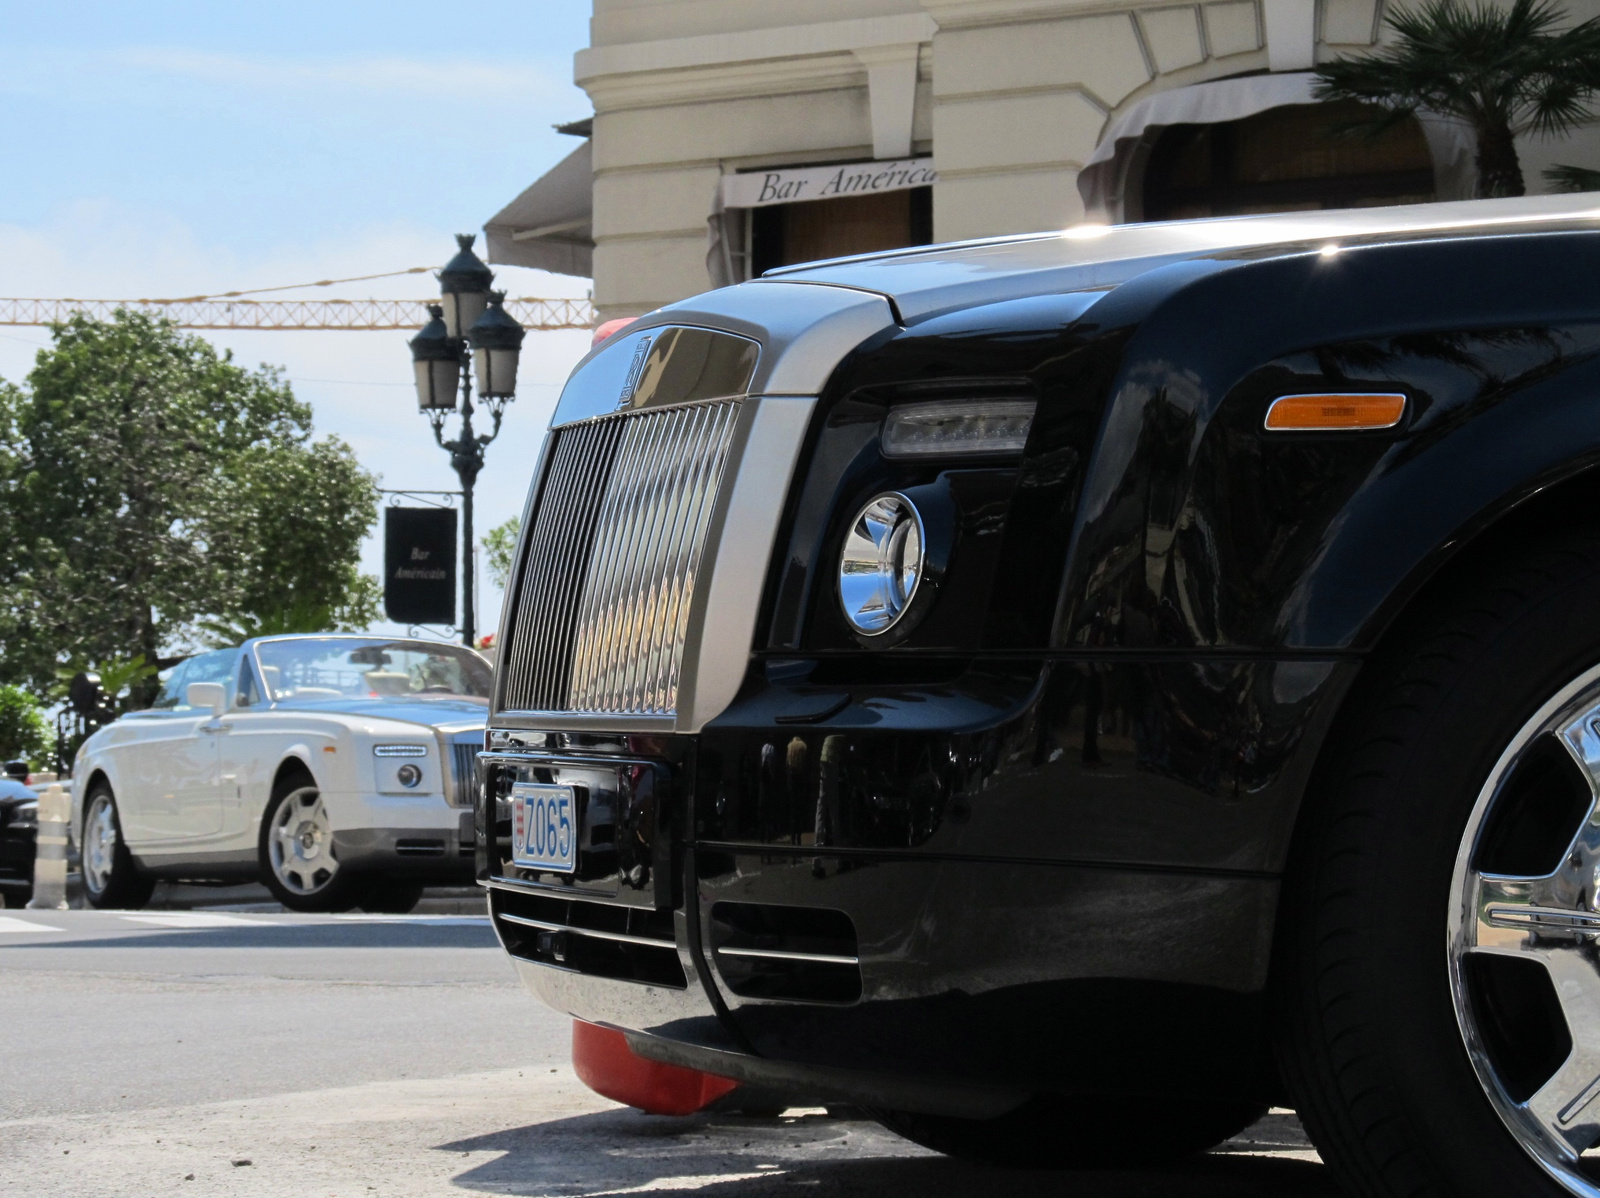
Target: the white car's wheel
(110, 878)
(298, 861)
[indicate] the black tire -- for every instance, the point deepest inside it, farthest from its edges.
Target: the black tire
(1367, 1032)
(323, 885)
(15, 898)
(110, 878)
(1050, 1132)
(380, 895)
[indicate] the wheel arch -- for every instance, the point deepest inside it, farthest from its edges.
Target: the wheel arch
(294, 763)
(96, 775)
(1545, 507)
(1540, 508)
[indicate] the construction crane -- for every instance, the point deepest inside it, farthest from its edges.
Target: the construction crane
(351, 315)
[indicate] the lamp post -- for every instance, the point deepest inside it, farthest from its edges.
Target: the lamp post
(470, 333)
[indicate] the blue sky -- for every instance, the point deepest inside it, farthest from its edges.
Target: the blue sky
(163, 149)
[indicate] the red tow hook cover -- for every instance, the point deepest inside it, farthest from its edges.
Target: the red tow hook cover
(604, 1062)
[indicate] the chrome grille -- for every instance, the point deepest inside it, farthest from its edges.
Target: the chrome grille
(611, 562)
(464, 765)
(539, 660)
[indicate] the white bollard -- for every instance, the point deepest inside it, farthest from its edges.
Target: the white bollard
(50, 851)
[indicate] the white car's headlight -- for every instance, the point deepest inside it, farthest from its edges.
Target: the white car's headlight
(402, 768)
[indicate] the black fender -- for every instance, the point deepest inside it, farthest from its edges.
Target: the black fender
(1197, 529)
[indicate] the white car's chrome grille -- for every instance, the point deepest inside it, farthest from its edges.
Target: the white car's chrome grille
(609, 569)
(464, 767)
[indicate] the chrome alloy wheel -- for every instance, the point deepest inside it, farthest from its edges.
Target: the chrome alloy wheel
(300, 842)
(1524, 924)
(99, 843)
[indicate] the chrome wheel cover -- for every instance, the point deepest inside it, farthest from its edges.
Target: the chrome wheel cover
(99, 843)
(1552, 919)
(300, 843)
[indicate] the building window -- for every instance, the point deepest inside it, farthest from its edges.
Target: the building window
(783, 234)
(1289, 159)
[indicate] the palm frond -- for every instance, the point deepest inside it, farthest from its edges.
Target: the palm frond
(1571, 178)
(1507, 67)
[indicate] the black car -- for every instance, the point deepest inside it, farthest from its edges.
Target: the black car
(1067, 693)
(19, 828)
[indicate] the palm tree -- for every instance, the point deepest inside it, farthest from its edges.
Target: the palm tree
(1505, 71)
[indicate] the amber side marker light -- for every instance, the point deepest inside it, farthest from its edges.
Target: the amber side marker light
(1334, 413)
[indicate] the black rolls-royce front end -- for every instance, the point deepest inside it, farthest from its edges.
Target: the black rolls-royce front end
(972, 683)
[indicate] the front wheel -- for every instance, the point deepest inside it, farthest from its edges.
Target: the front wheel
(1438, 979)
(110, 878)
(296, 853)
(1049, 1132)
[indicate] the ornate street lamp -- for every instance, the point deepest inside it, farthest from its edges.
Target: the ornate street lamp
(442, 356)
(437, 362)
(496, 347)
(464, 284)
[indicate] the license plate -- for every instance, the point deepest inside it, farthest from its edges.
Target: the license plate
(544, 827)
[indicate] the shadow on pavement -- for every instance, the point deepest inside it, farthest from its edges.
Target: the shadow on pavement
(351, 935)
(622, 1150)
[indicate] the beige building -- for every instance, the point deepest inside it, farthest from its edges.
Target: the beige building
(730, 136)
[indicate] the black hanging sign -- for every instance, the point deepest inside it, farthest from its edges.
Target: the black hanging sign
(419, 565)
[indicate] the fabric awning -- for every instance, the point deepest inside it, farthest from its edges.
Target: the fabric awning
(1104, 178)
(550, 225)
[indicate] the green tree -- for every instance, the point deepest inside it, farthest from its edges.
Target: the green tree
(25, 732)
(155, 485)
(277, 578)
(499, 546)
(1506, 71)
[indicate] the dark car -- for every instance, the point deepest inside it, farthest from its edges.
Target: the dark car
(1067, 693)
(19, 828)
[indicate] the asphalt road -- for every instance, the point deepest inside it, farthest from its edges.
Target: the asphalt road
(206, 1053)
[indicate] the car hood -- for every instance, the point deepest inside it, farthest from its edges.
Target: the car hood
(433, 713)
(926, 282)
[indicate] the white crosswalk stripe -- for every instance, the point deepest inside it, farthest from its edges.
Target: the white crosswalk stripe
(82, 921)
(193, 919)
(11, 923)
(432, 920)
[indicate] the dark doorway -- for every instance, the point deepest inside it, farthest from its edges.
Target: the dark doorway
(783, 234)
(1290, 159)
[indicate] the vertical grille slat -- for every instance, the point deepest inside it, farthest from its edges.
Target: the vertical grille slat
(464, 765)
(610, 563)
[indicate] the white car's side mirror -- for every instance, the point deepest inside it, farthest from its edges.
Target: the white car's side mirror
(207, 694)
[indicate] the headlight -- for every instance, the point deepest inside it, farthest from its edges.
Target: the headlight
(946, 429)
(882, 563)
(25, 815)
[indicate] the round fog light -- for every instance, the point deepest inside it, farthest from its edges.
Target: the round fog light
(881, 565)
(408, 776)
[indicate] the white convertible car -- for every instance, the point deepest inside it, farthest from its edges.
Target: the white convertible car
(339, 770)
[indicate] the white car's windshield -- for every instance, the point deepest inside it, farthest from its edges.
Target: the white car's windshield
(314, 669)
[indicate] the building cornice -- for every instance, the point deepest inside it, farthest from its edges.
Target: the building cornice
(728, 81)
(951, 15)
(753, 45)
